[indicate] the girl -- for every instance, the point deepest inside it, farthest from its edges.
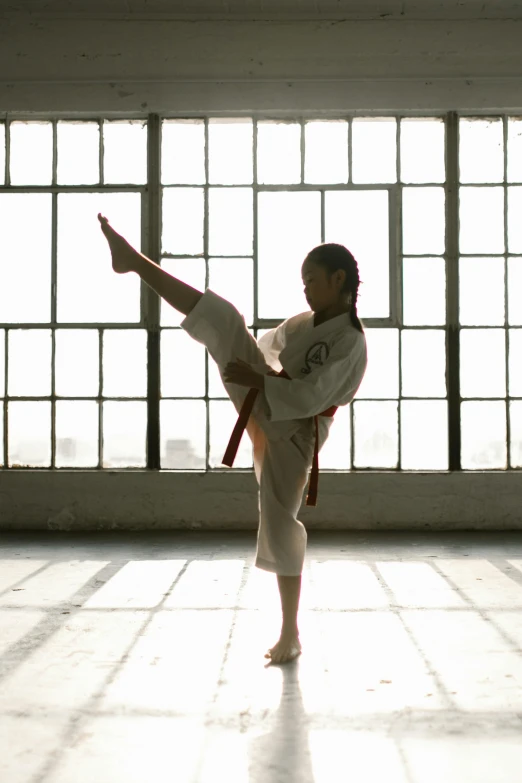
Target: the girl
(297, 375)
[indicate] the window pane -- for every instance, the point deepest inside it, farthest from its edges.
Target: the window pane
(514, 156)
(374, 150)
(125, 363)
(515, 365)
(481, 150)
(124, 434)
(483, 428)
(125, 152)
(190, 271)
(381, 378)
(481, 218)
(230, 146)
(515, 291)
(25, 267)
(2, 364)
(182, 365)
(424, 292)
(515, 413)
(77, 434)
(216, 387)
(77, 362)
(422, 150)
(89, 291)
(182, 227)
(78, 153)
(335, 454)
(423, 361)
(2, 153)
(230, 229)
(183, 152)
(29, 434)
(29, 371)
(359, 220)
(423, 221)
(376, 435)
(326, 151)
(31, 151)
(278, 153)
(514, 228)
(223, 417)
(474, 308)
(424, 435)
(183, 427)
(289, 226)
(482, 363)
(233, 279)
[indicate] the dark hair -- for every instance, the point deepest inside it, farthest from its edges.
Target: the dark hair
(332, 257)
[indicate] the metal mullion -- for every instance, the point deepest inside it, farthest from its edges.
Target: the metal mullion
(255, 226)
(302, 150)
(100, 398)
(480, 184)
(7, 173)
(101, 151)
(153, 251)
(54, 179)
(206, 197)
(53, 324)
(334, 186)
(482, 255)
(396, 274)
(4, 403)
(73, 189)
(75, 325)
(506, 330)
(452, 290)
(256, 319)
(350, 178)
(352, 430)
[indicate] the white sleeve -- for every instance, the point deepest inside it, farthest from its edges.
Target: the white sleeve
(338, 378)
(271, 344)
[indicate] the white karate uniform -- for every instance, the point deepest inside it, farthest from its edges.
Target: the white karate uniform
(326, 364)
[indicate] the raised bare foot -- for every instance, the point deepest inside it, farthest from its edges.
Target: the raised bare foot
(124, 256)
(287, 648)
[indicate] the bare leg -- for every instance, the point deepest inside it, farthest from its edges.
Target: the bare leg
(126, 259)
(288, 647)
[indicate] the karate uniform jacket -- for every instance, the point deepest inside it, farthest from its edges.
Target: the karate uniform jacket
(326, 365)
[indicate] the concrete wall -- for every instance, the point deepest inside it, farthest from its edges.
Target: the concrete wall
(136, 65)
(221, 500)
(365, 57)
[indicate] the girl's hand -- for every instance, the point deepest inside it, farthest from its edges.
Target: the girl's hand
(240, 372)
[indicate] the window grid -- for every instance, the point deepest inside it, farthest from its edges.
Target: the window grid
(395, 278)
(53, 325)
(151, 238)
(508, 329)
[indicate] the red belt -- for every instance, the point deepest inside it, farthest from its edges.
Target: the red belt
(237, 433)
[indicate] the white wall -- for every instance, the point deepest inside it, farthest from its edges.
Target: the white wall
(378, 58)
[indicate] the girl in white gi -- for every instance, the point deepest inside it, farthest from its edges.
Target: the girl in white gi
(291, 380)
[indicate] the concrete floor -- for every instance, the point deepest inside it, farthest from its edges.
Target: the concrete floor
(139, 659)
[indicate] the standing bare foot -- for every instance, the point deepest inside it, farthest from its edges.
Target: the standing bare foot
(287, 648)
(124, 256)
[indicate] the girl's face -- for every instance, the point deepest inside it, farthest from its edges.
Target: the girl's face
(320, 291)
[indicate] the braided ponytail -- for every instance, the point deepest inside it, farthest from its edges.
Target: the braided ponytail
(332, 257)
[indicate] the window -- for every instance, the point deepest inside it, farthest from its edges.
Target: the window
(95, 372)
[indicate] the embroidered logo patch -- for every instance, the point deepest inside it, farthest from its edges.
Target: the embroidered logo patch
(316, 355)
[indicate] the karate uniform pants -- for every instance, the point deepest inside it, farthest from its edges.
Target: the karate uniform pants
(281, 464)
